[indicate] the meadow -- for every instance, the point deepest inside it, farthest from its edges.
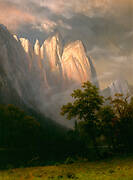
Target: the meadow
(115, 169)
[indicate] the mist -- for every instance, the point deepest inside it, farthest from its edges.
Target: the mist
(107, 37)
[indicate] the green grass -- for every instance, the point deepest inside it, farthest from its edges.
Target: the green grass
(116, 169)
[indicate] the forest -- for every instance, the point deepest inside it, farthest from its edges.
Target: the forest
(103, 129)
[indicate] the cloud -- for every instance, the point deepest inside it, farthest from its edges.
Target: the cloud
(104, 26)
(68, 7)
(15, 14)
(13, 17)
(64, 25)
(44, 25)
(87, 7)
(33, 11)
(112, 64)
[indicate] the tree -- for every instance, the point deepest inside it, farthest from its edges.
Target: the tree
(85, 108)
(117, 122)
(108, 126)
(17, 129)
(123, 124)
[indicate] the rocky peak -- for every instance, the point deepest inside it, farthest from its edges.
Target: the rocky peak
(75, 50)
(2, 27)
(37, 49)
(52, 51)
(75, 44)
(76, 65)
(119, 86)
(70, 64)
(25, 44)
(56, 36)
(15, 37)
(5, 35)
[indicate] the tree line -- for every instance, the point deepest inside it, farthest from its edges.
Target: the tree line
(103, 127)
(101, 122)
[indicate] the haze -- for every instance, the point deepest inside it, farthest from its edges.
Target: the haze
(104, 26)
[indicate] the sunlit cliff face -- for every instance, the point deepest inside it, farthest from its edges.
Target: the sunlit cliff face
(62, 66)
(75, 62)
(104, 26)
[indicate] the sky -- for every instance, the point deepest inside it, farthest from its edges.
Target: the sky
(104, 26)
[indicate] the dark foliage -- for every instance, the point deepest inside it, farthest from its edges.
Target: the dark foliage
(28, 138)
(17, 129)
(107, 129)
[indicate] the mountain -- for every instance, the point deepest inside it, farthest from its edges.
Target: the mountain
(51, 54)
(42, 76)
(119, 86)
(21, 78)
(75, 64)
(13, 68)
(63, 65)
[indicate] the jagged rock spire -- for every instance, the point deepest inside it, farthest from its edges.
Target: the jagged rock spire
(37, 48)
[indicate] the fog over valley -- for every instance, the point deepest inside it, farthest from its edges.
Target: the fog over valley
(49, 48)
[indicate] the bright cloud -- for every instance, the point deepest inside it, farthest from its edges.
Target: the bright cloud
(17, 12)
(13, 17)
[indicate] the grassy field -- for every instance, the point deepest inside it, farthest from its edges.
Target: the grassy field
(116, 169)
